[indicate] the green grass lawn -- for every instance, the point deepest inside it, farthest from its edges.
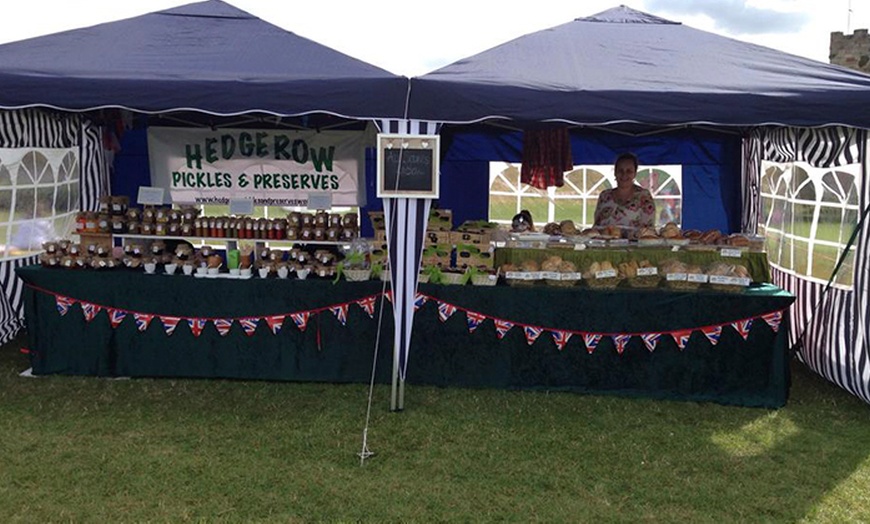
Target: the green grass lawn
(84, 449)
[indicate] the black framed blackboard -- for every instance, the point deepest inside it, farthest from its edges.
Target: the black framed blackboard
(408, 166)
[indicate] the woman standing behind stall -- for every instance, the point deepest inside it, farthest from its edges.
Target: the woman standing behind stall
(628, 204)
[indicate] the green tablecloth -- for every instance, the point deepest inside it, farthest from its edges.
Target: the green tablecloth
(752, 372)
(755, 262)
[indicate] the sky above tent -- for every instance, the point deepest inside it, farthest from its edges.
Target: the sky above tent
(443, 32)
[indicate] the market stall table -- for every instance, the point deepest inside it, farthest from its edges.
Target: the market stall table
(445, 349)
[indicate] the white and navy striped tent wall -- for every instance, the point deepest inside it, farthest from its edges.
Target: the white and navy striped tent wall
(39, 128)
(829, 325)
(406, 221)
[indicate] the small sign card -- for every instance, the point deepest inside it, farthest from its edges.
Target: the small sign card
(731, 253)
(647, 271)
(701, 278)
(150, 196)
(671, 277)
(607, 273)
(319, 201)
(241, 206)
(729, 281)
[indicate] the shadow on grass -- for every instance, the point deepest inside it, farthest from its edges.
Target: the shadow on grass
(232, 450)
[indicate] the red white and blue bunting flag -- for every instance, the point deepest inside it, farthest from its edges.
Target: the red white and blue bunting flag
(532, 333)
(63, 304)
(300, 319)
(196, 325)
(650, 340)
(712, 333)
(143, 320)
(222, 325)
(368, 304)
(773, 320)
(116, 316)
(502, 327)
(682, 337)
(474, 320)
(620, 341)
(419, 301)
(275, 323)
(89, 310)
(445, 311)
(389, 296)
(742, 327)
(591, 340)
(340, 312)
(561, 338)
(249, 325)
(169, 324)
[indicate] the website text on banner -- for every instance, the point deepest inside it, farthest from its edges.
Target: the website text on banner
(273, 167)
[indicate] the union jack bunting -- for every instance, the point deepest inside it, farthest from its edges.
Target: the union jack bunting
(620, 341)
(713, 333)
(742, 327)
(474, 320)
(90, 310)
(116, 316)
(502, 327)
(682, 337)
(532, 333)
(249, 325)
(275, 323)
(222, 325)
(445, 311)
(561, 338)
(773, 320)
(196, 325)
(169, 324)
(591, 340)
(63, 304)
(300, 319)
(419, 301)
(143, 320)
(650, 340)
(368, 304)
(340, 313)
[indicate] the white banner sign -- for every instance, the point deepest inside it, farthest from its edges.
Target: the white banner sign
(272, 167)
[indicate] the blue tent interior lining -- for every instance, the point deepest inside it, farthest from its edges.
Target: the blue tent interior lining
(711, 163)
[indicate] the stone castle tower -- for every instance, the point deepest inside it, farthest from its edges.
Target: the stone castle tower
(852, 51)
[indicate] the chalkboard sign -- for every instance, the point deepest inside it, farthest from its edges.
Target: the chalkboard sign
(408, 166)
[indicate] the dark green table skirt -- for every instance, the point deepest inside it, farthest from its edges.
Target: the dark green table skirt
(751, 372)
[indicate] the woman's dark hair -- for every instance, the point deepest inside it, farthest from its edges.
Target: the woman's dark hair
(627, 156)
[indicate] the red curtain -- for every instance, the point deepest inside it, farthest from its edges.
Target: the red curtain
(546, 157)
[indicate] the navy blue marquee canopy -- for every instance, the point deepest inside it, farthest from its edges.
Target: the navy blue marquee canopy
(208, 57)
(625, 66)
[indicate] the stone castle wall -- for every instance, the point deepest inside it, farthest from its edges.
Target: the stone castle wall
(852, 51)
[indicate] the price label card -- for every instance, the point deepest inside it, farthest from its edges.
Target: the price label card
(319, 201)
(551, 275)
(150, 196)
(671, 277)
(647, 271)
(607, 273)
(241, 206)
(722, 280)
(572, 276)
(697, 277)
(731, 253)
